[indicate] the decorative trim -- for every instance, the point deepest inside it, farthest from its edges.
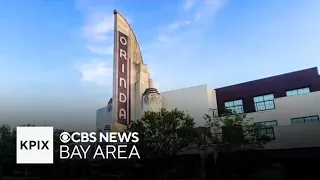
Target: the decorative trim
(151, 99)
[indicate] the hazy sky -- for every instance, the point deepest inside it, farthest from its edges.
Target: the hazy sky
(56, 55)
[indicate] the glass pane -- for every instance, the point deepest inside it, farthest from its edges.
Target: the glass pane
(294, 121)
(228, 104)
(298, 121)
(271, 123)
(237, 103)
(292, 93)
(263, 132)
(314, 118)
(270, 133)
(288, 93)
(258, 99)
(268, 124)
(231, 109)
(274, 123)
(238, 109)
(308, 120)
(268, 97)
(300, 91)
(306, 90)
(301, 120)
(260, 106)
(269, 104)
(261, 124)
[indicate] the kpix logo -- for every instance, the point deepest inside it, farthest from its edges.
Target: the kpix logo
(29, 145)
(34, 145)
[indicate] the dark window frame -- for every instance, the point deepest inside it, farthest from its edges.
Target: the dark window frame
(304, 119)
(264, 102)
(267, 131)
(215, 112)
(227, 108)
(297, 89)
(264, 122)
(264, 133)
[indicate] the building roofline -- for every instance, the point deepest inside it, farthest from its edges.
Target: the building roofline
(270, 77)
(178, 89)
(104, 107)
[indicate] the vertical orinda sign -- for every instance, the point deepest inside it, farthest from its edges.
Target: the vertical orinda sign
(122, 84)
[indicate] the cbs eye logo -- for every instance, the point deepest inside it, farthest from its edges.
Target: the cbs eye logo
(65, 137)
(77, 137)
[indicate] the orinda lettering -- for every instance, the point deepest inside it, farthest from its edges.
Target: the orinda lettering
(123, 54)
(122, 114)
(123, 40)
(122, 82)
(122, 98)
(123, 79)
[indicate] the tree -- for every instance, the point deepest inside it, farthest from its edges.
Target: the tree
(234, 131)
(7, 148)
(162, 135)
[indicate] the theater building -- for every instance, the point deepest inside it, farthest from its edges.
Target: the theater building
(288, 103)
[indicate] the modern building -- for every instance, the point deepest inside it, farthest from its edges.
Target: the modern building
(104, 118)
(288, 104)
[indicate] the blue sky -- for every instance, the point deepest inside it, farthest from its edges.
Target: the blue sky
(56, 63)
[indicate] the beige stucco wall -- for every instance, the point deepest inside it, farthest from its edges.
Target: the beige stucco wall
(141, 84)
(296, 135)
(290, 107)
(195, 101)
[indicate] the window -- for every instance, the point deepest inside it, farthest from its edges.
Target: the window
(264, 102)
(234, 106)
(303, 120)
(267, 124)
(266, 129)
(267, 133)
(214, 112)
(298, 91)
